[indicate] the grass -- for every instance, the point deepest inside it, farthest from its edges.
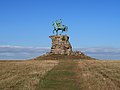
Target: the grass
(99, 75)
(60, 75)
(23, 75)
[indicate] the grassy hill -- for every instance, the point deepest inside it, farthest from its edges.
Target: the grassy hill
(60, 75)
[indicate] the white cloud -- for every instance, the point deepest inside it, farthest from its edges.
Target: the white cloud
(20, 52)
(100, 50)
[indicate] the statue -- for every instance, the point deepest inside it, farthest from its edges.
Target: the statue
(58, 26)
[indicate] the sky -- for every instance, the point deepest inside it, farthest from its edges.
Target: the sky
(93, 25)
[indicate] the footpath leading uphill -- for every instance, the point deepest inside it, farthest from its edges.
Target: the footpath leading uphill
(62, 77)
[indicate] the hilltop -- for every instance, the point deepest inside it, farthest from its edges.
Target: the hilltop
(64, 57)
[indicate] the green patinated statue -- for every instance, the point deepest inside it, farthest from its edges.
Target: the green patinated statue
(58, 26)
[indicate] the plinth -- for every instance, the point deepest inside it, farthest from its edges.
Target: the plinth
(60, 44)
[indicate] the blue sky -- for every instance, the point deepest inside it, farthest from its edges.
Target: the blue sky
(92, 23)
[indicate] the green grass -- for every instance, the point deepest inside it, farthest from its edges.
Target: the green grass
(62, 77)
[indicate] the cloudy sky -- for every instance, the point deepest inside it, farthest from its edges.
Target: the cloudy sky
(26, 25)
(22, 53)
(19, 52)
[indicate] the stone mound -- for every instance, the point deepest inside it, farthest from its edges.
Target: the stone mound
(73, 56)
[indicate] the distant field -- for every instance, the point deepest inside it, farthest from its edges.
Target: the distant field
(60, 75)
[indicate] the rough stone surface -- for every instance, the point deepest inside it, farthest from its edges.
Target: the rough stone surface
(62, 50)
(60, 45)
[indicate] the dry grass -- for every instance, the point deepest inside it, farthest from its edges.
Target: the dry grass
(99, 75)
(23, 75)
(67, 75)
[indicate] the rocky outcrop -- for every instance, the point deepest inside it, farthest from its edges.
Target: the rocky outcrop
(61, 45)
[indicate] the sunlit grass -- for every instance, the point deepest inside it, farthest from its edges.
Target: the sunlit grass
(23, 75)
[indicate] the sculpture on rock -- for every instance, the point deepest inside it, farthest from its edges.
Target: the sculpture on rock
(58, 26)
(61, 48)
(60, 43)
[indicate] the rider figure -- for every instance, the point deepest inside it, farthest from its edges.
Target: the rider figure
(59, 23)
(58, 26)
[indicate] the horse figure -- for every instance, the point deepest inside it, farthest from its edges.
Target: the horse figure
(58, 26)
